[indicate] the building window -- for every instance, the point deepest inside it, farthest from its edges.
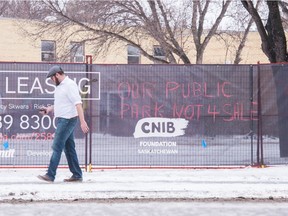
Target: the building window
(48, 51)
(77, 52)
(158, 53)
(133, 55)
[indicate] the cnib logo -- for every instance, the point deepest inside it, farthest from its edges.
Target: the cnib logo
(164, 127)
(160, 127)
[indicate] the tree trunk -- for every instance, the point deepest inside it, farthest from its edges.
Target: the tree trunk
(277, 39)
(281, 83)
(275, 48)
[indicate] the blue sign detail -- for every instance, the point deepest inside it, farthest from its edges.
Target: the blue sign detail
(204, 144)
(6, 145)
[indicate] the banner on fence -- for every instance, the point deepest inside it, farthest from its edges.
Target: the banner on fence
(146, 115)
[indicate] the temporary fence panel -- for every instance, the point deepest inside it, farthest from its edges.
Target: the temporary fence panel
(150, 115)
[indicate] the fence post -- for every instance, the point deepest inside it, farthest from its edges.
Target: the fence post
(88, 167)
(260, 159)
(251, 106)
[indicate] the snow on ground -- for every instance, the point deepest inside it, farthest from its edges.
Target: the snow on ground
(262, 183)
(142, 192)
(145, 209)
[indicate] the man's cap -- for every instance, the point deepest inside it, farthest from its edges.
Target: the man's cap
(53, 70)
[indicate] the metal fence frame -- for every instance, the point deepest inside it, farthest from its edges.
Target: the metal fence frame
(96, 145)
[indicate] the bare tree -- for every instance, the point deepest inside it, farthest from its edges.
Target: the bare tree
(107, 22)
(3, 7)
(274, 45)
(284, 7)
(244, 35)
(272, 33)
(28, 9)
(199, 14)
(133, 22)
(169, 23)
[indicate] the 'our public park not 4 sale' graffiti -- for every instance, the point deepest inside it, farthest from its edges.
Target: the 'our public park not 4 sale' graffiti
(187, 100)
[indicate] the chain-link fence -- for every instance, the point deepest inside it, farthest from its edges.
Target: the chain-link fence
(151, 115)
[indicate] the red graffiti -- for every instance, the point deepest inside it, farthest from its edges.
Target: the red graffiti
(141, 111)
(139, 100)
(195, 89)
(136, 90)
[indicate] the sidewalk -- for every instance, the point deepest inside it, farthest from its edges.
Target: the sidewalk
(263, 183)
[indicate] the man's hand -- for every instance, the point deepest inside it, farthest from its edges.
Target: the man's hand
(46, 110)
(43, 110)
(84, 127)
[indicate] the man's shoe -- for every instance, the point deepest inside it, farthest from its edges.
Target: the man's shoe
(45, 178)
(73, 179)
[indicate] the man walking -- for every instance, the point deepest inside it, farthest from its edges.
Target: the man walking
(67, 109)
